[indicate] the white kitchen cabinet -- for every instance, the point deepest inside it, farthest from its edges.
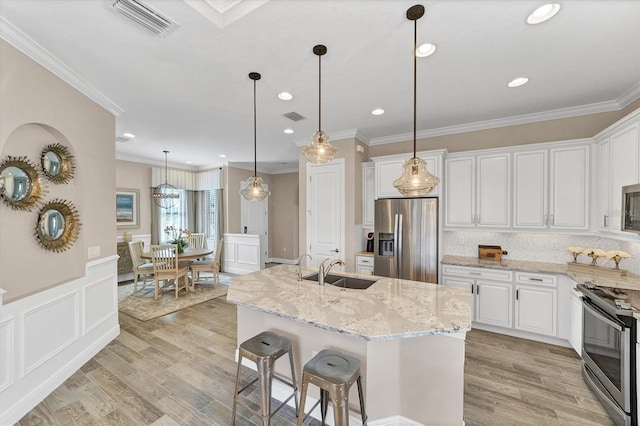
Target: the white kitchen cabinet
(536, 304)
(364, 264)
(493, 303)
(551, 188)
(389, 168)
(368, 194)
(478, 191)
(569, 192)
(618, 164)
(575, 331)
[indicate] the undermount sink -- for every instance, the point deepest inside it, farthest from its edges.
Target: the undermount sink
(343, 281)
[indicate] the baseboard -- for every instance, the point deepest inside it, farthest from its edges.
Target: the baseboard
(523, 335)
(284, 261)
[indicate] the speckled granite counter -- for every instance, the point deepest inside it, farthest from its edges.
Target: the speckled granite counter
(629, 281)
(389, 309)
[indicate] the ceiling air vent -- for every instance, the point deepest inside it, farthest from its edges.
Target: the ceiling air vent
(294, 116)
(144, 16)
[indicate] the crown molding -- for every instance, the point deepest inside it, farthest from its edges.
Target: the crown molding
(12, 35)
(503, 122)
(629, 96)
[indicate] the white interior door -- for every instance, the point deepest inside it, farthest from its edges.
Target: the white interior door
(255, 220)
(325, 211)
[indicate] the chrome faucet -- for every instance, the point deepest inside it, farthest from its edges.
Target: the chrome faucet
(300, 265)
(322, 272)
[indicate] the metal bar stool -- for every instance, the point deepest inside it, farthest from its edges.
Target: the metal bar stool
(264, 349)
(334, 373)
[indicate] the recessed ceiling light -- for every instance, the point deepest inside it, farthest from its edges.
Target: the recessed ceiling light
(288, 131)
(517, 82)
(222, 156)
(543, 13)
(189, 162)
(285, 96)
(426, 49)
(128, 135)
(377, 111)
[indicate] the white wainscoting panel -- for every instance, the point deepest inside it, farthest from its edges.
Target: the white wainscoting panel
(48, 336)
(49, 328)
(6, 352)
(241, 253)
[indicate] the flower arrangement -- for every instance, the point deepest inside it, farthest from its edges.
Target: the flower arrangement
(594, 254)
(177, 236)
(575, 252)
(617, 256)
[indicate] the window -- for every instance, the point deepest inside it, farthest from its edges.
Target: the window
(211, 212)
(175, 216)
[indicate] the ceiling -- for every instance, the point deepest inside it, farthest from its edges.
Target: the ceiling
(189, 91)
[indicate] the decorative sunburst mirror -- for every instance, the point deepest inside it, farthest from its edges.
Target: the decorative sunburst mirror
(20, 183)
(58, 225)
(58, 165)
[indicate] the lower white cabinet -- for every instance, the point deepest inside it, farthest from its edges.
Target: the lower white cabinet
(521, 301)
(575, 331)
(364, 265)
(494, 303)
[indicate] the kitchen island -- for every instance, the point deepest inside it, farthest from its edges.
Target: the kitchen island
(408, 335)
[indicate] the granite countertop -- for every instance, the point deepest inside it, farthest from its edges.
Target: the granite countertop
(365, 253)
(389, 309)
(596, 276)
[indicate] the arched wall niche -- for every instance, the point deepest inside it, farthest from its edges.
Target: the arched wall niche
(28, 140)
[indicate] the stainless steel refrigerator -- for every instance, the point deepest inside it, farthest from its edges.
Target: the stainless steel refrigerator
(406, 239)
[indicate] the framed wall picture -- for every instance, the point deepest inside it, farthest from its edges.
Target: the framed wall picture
(128, 208)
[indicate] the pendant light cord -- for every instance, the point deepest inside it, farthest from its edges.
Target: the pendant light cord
(166, 170)
(415, 82)
(255, 134)
(319, 93)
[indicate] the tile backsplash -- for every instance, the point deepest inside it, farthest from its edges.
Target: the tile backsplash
(540, 247)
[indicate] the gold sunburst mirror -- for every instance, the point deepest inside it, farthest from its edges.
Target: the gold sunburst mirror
(20, 184)
(58, 165)
(58, 225)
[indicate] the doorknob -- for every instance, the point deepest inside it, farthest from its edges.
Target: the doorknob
(335, 251)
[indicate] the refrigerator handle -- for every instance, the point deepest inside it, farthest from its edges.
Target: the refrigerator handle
(398, 247)
(395, 243)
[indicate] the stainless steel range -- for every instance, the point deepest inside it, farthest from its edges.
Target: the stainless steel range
(609, 348)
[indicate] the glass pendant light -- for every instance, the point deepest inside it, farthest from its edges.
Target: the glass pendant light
(255, 190)
(416, 181)
(319, 151)
(165, 196)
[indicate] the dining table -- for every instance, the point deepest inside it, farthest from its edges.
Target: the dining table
(188, 254)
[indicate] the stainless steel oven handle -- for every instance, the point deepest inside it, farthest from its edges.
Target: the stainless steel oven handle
(601, 316)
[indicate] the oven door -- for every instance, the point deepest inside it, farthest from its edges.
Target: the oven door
(606, 351)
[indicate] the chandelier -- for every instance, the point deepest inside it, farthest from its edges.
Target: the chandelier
(255, 190)
(416, 181)
(165, 196)
(319, 151)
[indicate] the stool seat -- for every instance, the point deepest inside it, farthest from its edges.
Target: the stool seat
(334, 373)
(264, 349)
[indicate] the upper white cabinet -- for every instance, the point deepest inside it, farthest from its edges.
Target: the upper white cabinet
(618, 164)
(368, 194)
(478, 191)
(389, 168)
(551, 188)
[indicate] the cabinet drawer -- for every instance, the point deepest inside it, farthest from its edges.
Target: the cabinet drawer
(484, 273)
(534, 278)
(364, 260)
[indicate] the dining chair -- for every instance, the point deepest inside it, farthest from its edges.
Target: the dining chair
(210, 264)
(166, 266)
(197, 241)
(140, 266)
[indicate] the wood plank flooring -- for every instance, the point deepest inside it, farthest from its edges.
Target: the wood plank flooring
(179, 370)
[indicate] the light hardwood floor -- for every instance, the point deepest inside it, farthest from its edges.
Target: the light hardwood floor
(179, 370)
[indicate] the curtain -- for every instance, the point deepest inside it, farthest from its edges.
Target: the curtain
(156, 225)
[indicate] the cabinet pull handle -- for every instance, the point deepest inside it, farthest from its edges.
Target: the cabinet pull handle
(478, 289)
(546, 219)
(472, 288)
(475, 273)
(535, 279)
(517, 294)
(605, 220)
